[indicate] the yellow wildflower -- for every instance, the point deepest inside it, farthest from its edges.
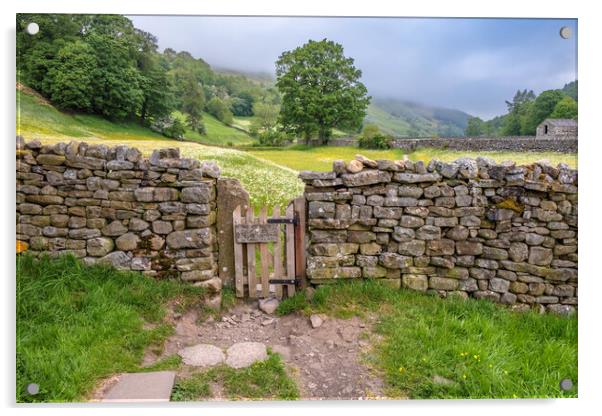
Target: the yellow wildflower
(21, 246)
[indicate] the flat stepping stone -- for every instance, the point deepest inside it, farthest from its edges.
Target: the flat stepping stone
(142, 387)
(202, 355)
(244, 354)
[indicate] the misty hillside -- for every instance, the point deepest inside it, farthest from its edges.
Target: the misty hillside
(403, 118)
(396, 117)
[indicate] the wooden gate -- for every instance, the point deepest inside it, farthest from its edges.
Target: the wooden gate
(269, 252)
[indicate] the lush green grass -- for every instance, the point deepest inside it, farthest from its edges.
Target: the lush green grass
(77, 324)
(172, 362)
(484, 350)
(243, 123)
(262, 380)
(300, 157)
(218, 133)
(37, 119)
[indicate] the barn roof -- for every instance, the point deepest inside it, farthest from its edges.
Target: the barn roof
(560, 122)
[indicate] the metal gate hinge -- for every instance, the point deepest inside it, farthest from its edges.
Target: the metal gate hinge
(293, 221)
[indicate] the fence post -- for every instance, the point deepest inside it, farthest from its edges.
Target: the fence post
(300, 246)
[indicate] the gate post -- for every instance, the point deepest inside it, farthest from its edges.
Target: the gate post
(230, 194)
(299, 205)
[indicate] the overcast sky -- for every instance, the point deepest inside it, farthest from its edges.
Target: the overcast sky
(468, 64)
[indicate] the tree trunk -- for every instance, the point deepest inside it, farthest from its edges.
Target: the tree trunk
(307, 138)
(143, 113)
(323, 135)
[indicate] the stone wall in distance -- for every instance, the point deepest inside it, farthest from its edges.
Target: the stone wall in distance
(511, 144)
(468, 228)
(156, 215)
(561, 144)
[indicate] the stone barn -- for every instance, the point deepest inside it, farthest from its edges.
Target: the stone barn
(560, 128)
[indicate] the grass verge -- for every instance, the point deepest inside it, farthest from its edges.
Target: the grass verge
(77, 324)
(433, 348)
(264, 380)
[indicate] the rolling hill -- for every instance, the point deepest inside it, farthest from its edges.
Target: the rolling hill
(407, 119)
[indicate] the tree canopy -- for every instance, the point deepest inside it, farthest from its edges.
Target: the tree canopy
(565, 108)
(320, 89)
(102, 64)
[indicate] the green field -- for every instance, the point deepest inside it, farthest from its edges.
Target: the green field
(320, 158)
(429, 348)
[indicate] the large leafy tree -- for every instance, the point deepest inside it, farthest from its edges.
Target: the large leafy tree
(541, 109)
(219, 110)
(158, 100)
(518, 110)
(320, 89)
(70, 76)
(475, 127)
(266, 116)
(193, 102)
(117, 82)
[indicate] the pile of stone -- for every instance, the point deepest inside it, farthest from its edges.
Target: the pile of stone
(468, 228)
(112, 205)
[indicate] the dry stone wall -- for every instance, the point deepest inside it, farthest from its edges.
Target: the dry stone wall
(469, 228)
(110, 204)
(560, 144)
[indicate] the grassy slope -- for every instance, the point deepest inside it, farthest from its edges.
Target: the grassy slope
(482, 349)
(243, 123)
(217, 133)
(401, 118)
(37, 119)
(387, 122)
(77, 324)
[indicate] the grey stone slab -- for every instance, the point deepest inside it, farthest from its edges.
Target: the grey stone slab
(202, 355)
(142, 387)
(244, 354)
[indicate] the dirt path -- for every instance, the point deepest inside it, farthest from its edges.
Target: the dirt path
(326, 362)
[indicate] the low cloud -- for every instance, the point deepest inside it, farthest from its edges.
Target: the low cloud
(469, 64)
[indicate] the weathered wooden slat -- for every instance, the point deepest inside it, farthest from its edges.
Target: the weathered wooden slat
(277, 254)
(238, 256)
(265, 258)
(251, 273)
(290, 249)
(256, 233)
(299, 204)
